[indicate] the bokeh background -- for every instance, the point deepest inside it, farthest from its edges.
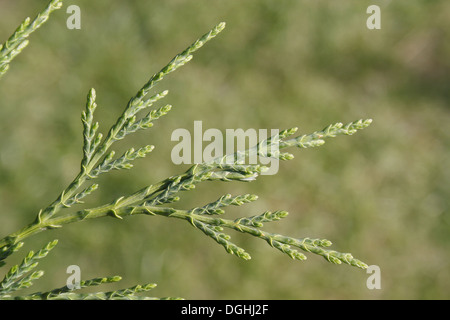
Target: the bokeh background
(382, 194)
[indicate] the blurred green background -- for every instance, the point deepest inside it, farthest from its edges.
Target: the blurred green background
(381, 194)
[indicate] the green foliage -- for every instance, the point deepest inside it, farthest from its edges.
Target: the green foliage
(19, 277)
(99, 158)
(18, 40)
(22, 277)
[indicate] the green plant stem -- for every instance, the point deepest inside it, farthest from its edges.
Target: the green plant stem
(275, 240)
(56, 222)
(117, 209)
(200, 172)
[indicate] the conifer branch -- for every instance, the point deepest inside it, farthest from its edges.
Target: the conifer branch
(99, 158)
(18, 40)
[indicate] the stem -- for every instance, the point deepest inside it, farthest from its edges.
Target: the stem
(128, 205)
(109, 209)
